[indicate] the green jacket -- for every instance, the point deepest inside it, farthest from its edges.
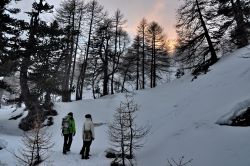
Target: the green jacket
(72, 126)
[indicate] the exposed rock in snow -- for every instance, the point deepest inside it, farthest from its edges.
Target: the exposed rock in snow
(239, 109)
(3, 144)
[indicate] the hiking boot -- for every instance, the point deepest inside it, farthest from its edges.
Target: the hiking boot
(85, 157)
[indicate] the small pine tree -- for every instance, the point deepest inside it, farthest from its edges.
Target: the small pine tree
(124, 134)
(180, 162)
(37, 143)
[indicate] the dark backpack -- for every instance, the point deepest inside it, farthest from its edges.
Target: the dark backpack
(65, 125)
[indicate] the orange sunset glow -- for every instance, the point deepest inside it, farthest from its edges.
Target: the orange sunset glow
(161, 11)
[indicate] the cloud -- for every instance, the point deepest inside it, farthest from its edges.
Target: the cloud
(161, 11)
(157, 11)
(152, 11)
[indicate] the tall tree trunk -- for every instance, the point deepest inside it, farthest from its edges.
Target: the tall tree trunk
(66, 94)
(48, 105)
(118, 22)
(143, 58)
(154, 70)
(124, 78)
(81, 78)
(25, 92)
(31, 102)
(70, 60)
(131, 141)
(241, 37)
(93, 80)
(152, 66)
(213, 57)
(114, 57)
(105, 79)
(76, 48)
(105, 70)
(122, 139)
(137, 67)
(1, 95)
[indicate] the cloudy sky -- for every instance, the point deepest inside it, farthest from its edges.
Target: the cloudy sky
(162, 11)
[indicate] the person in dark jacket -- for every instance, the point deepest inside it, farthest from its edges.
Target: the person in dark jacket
(68, 132)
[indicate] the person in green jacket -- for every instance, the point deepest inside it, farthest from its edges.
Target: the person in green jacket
(68, 131)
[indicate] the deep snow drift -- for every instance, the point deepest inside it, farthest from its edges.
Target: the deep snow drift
(184, 116)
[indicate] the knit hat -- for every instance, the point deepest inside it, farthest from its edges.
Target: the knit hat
(88, 116)
(71, 114)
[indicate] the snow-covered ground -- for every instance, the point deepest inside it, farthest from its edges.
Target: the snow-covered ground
(184, 116)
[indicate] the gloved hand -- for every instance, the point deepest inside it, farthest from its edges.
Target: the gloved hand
(74, 134)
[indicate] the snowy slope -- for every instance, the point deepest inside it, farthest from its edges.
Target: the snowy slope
(183, 115)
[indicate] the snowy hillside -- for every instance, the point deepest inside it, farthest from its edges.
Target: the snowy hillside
(183, 115)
